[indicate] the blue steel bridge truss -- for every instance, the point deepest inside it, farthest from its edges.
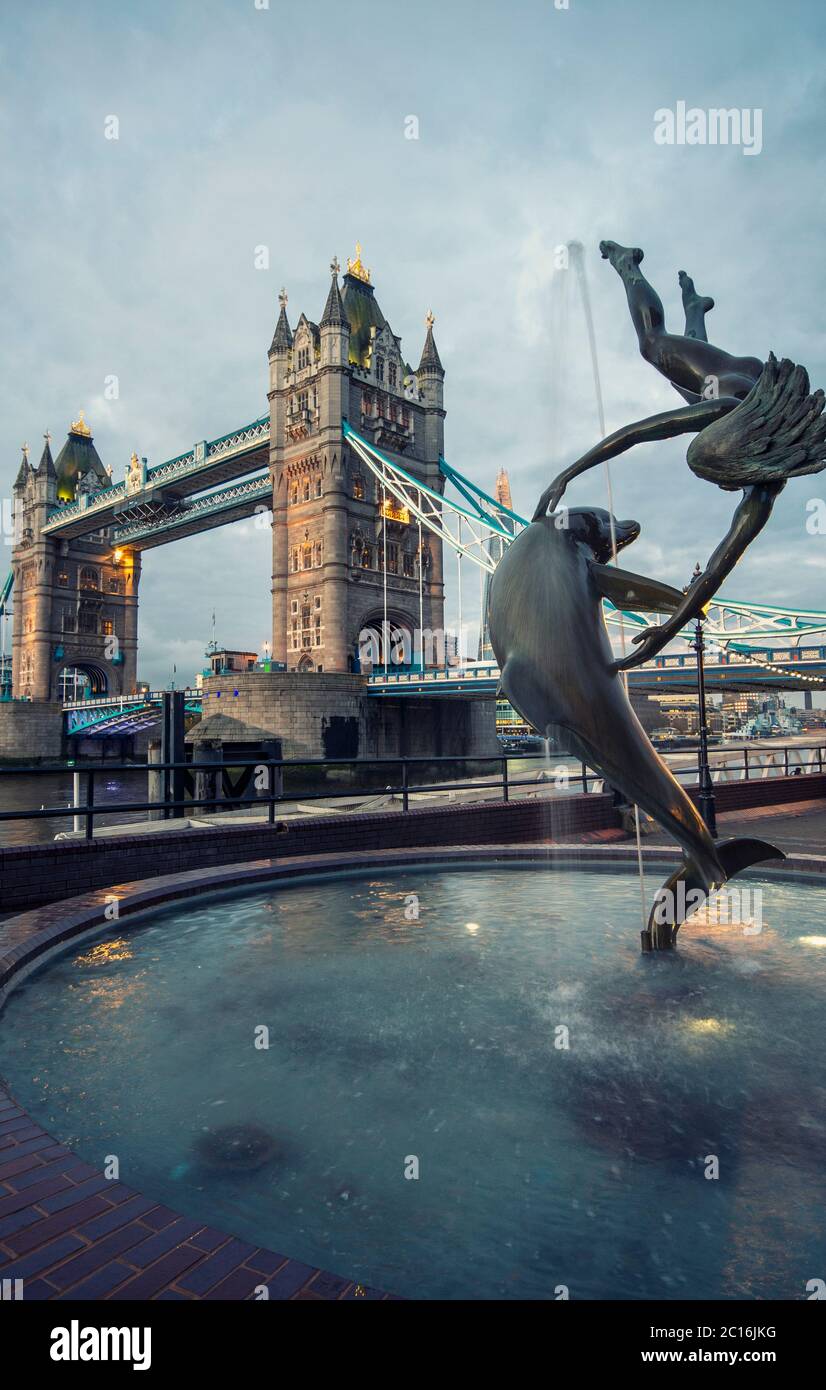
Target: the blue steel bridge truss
(226, 479)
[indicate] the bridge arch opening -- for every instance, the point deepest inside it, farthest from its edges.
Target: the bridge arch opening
(81, 682)
(387, 643)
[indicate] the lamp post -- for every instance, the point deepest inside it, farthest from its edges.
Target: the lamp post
(708, 809)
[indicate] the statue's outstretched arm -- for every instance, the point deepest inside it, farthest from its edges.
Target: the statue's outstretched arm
(749, 519)
(681, 420)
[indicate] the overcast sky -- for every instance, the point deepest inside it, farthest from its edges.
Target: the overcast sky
(284, 127)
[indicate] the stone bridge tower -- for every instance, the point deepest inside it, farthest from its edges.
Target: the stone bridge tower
(75, 601)
(332, 530)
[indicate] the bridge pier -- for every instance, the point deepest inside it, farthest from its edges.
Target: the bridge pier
(30, 731)
(333, 716)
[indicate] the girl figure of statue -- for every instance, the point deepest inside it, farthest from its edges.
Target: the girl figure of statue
(757, 426)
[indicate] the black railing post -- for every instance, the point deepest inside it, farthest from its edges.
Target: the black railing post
(746, 763)
(505, 787)
(177, 726)
(708, 809)
(405, 784)
(786, 762)
(584, 777)
(90, 801)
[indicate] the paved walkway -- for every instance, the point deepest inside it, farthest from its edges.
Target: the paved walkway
(799, 828)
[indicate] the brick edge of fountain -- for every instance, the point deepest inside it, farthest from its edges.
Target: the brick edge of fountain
(68, 1231)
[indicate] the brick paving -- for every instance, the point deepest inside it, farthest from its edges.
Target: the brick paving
(69, 1235)
(69, 1232)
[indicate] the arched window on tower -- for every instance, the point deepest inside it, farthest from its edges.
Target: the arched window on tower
(89, 578)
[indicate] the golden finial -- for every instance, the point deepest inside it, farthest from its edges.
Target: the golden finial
(26, 452)
(335, 266)
(356, 267)
(283, 297)
(430, 320)
(80, 426)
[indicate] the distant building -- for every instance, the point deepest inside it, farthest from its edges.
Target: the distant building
(495, 547)
(224, 660)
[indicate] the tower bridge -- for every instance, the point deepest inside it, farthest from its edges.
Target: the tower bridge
(349, 460)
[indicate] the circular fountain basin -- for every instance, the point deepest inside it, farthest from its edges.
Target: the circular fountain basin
(461, 1082)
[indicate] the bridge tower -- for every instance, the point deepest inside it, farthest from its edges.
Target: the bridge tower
(76, 601)
(333, 529)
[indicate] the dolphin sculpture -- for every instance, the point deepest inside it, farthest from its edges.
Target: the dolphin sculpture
(548, 632)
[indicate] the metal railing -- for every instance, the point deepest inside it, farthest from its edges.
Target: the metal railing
(277, 794)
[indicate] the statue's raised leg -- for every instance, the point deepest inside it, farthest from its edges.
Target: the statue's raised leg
(694, 366)
(696, 307)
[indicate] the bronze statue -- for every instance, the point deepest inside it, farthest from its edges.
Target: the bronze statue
(757, 426)
(547, 629)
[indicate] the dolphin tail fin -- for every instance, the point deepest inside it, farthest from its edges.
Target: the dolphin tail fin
(678, 896)
(736, 855)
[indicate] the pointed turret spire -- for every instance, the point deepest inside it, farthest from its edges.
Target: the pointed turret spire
(503, 489)
(282, 338)
(431, 360)
(25, 470)
(334, 314)
(46, 464)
